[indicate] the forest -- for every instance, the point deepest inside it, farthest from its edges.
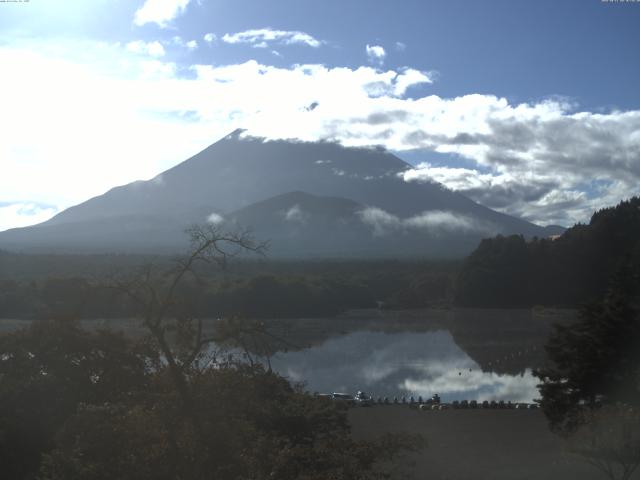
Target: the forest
(569, 270)
(503, 272)
(64, 286)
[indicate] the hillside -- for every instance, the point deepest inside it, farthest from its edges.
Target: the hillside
(342, 202)
(509, 271)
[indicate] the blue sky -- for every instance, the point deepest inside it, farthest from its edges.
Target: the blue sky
(529, 107)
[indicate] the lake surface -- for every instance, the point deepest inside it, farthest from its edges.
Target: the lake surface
(459, 354)
(401, 364)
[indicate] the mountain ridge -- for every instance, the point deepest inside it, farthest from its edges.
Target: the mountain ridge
(239, 172)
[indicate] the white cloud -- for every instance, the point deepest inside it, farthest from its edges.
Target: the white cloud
(381, 220)
(439, 220)
(521, 195)
(296, 214)
(210, 38)
(138, 115)
(86, 126)
(482, 385)
(400, 46)
(154, 49)
(538, 161)
(215, 218)
(160, 12)
(22, 214)
(410, 77)
(376, 54)
(434, 222)
(261, 38)
(189, 45)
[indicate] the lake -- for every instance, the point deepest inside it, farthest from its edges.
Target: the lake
(460, 355)
(401, 364)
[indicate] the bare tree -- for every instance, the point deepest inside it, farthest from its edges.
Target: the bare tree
(179, 335)
(253, 337)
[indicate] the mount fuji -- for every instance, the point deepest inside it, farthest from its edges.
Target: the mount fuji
(309, 199)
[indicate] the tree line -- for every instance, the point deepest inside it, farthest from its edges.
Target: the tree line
(258, 293)
(570, 270)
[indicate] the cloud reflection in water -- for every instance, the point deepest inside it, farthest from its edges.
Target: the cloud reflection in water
(401, 364)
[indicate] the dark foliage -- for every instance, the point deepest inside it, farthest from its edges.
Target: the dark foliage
(596, 360)
(45, 373)
(566, 271)
(80, 405)
(259, 290)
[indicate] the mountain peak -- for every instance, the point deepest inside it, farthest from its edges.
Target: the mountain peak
(235, 135)
(323, 177)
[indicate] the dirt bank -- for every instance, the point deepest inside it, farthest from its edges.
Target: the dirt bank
(478, 444)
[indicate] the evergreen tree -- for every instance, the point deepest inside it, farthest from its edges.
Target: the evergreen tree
(565, 271)
(596, 360)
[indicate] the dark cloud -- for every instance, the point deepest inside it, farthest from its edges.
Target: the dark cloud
(312, 106)
(382, 118)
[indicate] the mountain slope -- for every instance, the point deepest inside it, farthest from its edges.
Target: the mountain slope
(299, 224)
(235, 173)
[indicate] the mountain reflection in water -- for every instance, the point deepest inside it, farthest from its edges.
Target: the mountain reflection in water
(400, 364)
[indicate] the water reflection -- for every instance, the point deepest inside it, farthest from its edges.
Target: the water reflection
(401, 364)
